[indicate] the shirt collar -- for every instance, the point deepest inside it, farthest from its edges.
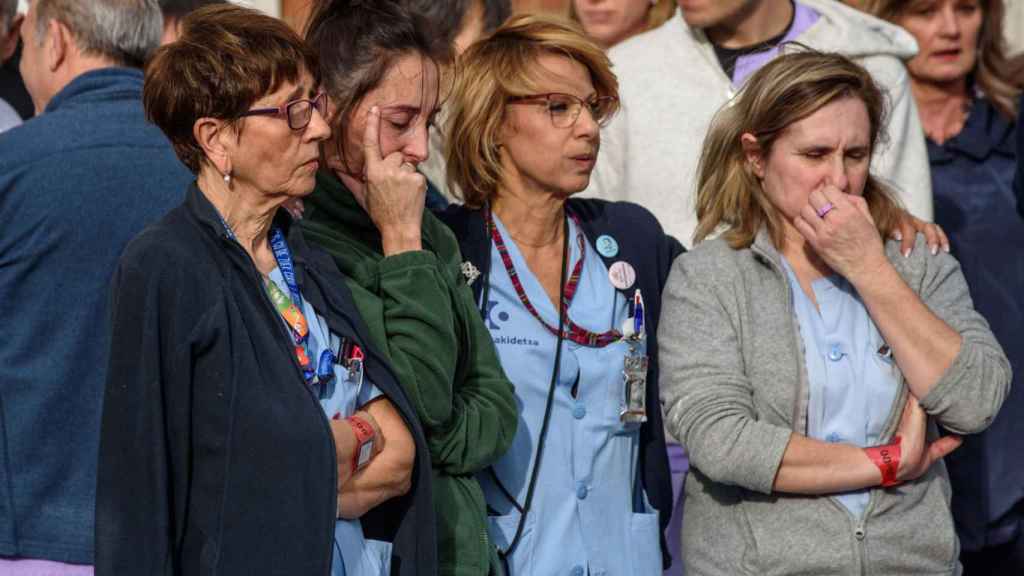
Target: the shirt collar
(102, 84)
(985, 132)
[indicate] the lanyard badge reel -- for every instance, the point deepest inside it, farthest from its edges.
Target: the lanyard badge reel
(635, 363)
(352, 357)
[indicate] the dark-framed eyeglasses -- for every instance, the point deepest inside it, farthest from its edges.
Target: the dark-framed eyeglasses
(299, 113)
(565, 109)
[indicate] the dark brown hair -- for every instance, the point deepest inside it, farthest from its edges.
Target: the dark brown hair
(357, 41)
(226, 59)
(994, 71)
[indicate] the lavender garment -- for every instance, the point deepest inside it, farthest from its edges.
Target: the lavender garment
(803, 18)
(42, 568)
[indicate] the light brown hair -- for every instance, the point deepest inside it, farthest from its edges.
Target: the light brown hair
(788, 89)
(492, 71)
(994, 71)
(226, 59)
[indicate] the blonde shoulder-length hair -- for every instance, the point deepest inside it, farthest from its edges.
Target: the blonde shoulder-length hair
(495, 69)
(788, 89)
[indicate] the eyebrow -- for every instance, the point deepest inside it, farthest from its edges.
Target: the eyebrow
(401, 108)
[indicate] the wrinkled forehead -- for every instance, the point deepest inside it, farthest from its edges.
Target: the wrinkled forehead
(844, 120)
(412, 81)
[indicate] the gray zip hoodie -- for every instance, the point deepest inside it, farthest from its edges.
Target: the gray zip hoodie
(734, 387)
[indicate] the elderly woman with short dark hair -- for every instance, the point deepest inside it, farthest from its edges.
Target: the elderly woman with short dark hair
(250, 424)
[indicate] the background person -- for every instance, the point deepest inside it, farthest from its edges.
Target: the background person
(967, 92)
(674, 78)
(806, 363)
(580, 490)
(1018, 181)
(381, 71)
(608, 22)
(76, 183)
(174, 12)
(237, 350)
(12, 89)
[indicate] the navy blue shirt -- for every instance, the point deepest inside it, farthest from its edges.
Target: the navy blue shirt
(1019, 181)
(972, 174)
(76, 183)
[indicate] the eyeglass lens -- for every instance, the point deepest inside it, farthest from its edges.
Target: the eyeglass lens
(300, 112)
(565, 110)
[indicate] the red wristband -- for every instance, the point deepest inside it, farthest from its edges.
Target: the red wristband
(887, 458)
(364, 439)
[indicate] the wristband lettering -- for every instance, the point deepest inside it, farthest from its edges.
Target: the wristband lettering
(887, 458)
(364, 438)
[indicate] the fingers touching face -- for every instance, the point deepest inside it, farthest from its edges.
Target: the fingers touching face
(406, 99)
(830, 149)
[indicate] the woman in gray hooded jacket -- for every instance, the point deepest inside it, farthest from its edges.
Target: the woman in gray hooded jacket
(806, 363)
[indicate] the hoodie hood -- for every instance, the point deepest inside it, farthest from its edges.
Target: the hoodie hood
(855, 33)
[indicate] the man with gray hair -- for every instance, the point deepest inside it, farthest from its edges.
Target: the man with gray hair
(77, 182)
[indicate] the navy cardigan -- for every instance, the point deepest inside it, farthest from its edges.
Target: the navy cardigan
(645, 246)
(215, 456)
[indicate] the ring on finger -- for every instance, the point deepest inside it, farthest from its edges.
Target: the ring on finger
(828, 207)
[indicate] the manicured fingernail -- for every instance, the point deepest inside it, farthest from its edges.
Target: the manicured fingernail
(935, 250)
(945, 248)
(906, 253)
(897, 235)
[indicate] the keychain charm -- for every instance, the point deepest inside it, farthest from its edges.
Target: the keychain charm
(634, 369)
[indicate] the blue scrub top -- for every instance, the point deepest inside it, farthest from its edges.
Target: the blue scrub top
(589, 513)
(353, 553)
(854, 382)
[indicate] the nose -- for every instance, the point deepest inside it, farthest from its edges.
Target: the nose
(318, 128)
(949, 26)
(837, 175)
(416, 149)
(586, 126)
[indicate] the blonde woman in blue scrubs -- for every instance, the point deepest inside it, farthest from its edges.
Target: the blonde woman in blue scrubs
(570, 290)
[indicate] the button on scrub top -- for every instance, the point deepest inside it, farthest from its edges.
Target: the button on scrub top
(589, 514)
(854, 382)
(353, 554)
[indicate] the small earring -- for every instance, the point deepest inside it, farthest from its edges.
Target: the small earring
(227, 178)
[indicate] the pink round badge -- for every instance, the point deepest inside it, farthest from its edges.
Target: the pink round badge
(622, 275)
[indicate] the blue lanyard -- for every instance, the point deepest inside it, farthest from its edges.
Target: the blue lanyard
(325, 365)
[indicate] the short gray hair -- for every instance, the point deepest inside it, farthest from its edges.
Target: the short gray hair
(8, 10)
(126, 31)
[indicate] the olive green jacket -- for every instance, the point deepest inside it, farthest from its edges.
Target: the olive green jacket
(422, 315)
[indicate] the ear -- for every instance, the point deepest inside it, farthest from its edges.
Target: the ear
(217, 140)
(9, 43)
(57, 45)
(754, 154)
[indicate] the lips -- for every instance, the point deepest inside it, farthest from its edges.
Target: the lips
(598, 16)
(947, 54)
